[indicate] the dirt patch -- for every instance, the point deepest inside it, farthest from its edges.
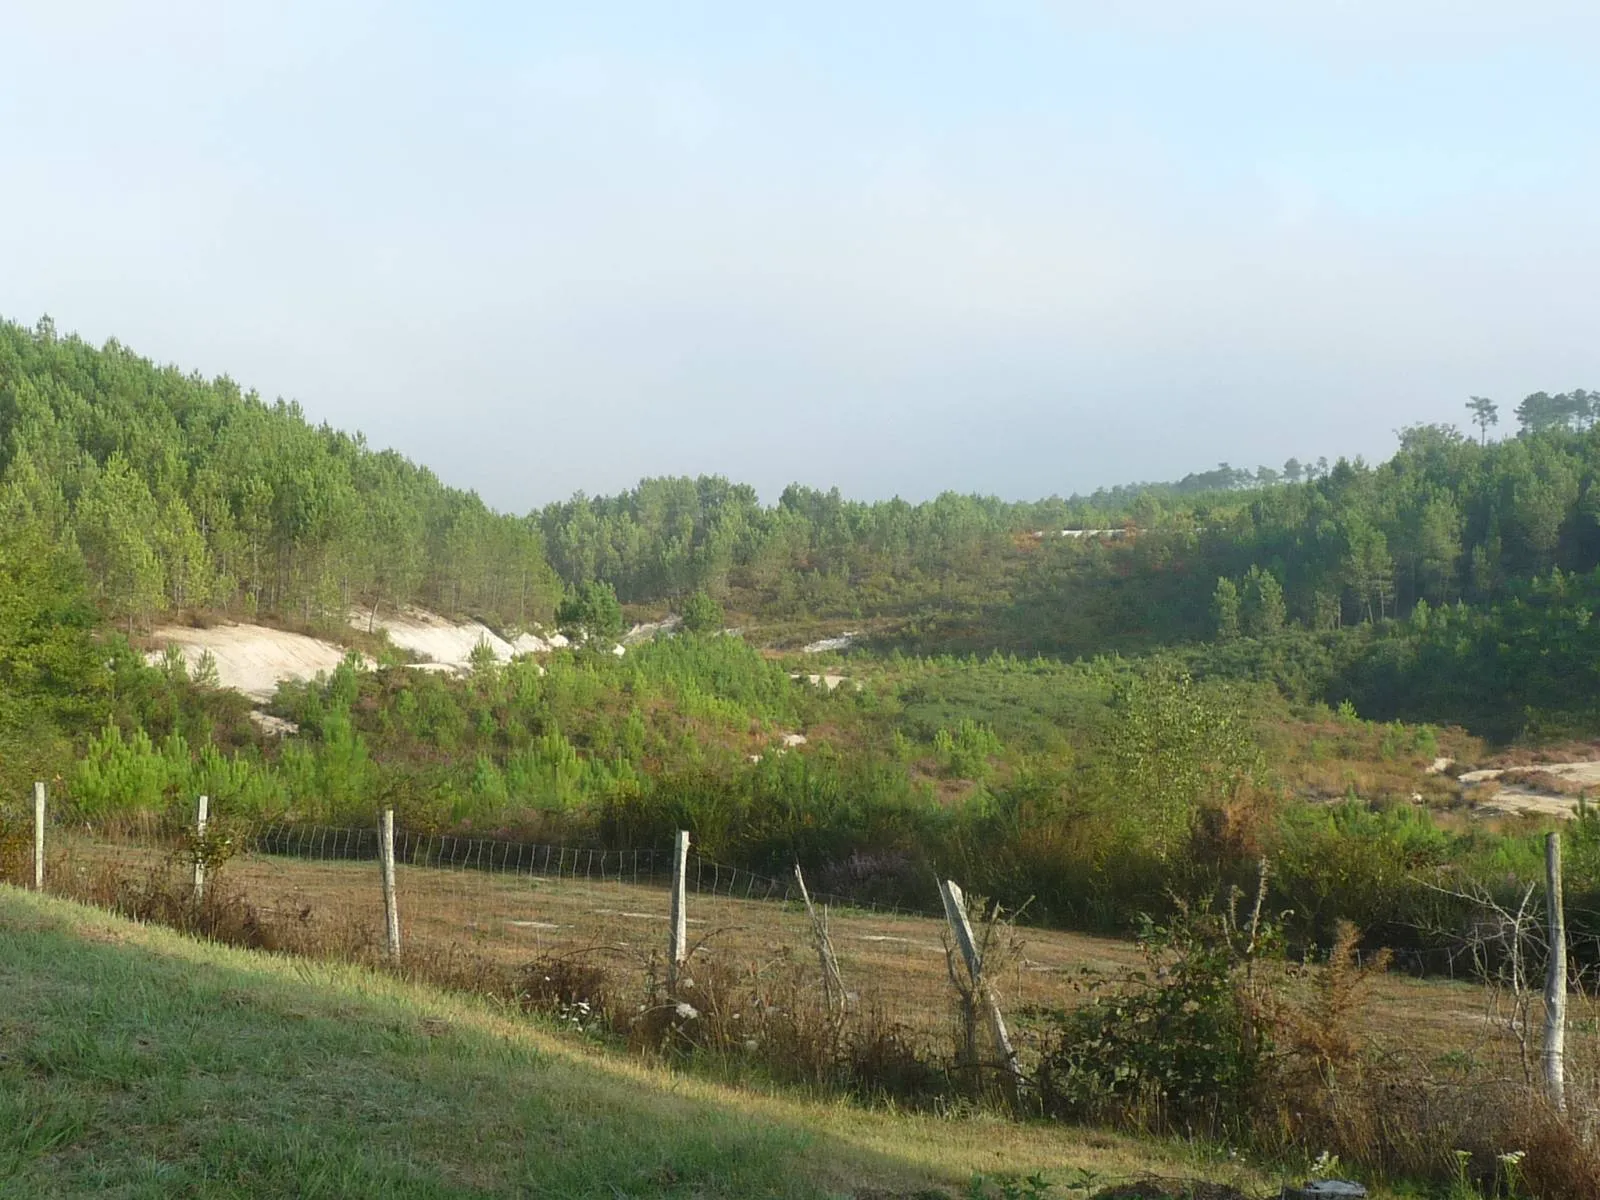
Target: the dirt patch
(271, 725)
(823, 645)
(828, 681)
(252, 659)
(1545, 789)
(445, 643)
(648, 630)
(1525, 802)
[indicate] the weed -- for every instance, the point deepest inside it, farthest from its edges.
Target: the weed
(572, 989)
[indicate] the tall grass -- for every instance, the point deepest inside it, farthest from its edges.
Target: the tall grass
(1219, 1038)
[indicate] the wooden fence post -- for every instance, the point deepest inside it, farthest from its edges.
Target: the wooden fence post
(832, 982)
(201, 815)
(955, 911)
(391, 907)
(678, 934)
(1555, 985)
(38, 836)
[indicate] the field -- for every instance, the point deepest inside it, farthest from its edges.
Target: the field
(895, 963)
(136, 1062)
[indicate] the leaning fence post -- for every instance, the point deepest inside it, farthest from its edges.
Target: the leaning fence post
(832, 983)
(1555, 984)
(38, 836)
(391, 909)
(955, 911)
(201, 814)
(678, 934)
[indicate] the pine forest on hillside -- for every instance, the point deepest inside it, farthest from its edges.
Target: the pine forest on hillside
(1003, 664)
(1105, 712)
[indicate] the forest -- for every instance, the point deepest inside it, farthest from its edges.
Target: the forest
(1266, 659)
(182, 493)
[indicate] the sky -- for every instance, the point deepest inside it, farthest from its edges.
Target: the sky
(1025, 247)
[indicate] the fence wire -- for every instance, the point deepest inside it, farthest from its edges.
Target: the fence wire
(648, 866)
(474, 908)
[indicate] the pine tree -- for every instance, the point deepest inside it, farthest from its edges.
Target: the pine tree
(701, 614)
(117, 526)
(1225, 609)
(1263, 608)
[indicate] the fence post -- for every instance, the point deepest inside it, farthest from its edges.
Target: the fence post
(1555, 985)
(38, 836)
(955, 911)
(678, 934)
(201, 814)
(832, 983)
(391, 909)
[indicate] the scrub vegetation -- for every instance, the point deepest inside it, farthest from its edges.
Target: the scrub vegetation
(1104, 713)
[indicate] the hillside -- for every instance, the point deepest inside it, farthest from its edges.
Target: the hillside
(1437, 586)
(1304, 644)
(1361, 695)
(1292, 641)
(137, 1062)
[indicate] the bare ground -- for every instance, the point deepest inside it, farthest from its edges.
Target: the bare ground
(1545, 789)
(895, 962)
(253, 659)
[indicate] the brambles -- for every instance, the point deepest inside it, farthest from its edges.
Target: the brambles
(571, 989)
(772, 1016)
(1179, 1046)
(1224, 1044)
(163, 893)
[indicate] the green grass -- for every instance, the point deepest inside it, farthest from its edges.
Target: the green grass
(136, 1062)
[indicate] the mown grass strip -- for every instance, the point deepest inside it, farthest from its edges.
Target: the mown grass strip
(135, 1062)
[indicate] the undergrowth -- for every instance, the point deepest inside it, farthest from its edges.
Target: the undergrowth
(1218, 1038)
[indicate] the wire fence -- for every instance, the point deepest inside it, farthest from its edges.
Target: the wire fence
(470, 909)
(644, 866)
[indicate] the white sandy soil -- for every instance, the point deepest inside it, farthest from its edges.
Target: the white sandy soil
(251, 658)
(1492, 797)
(843, 642)
(433, 639)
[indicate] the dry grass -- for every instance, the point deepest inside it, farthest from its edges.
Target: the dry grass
(1422, 1067)
(219, 1073)
(1327, 758)
(895, 963)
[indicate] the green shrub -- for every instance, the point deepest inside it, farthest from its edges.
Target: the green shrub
(1178, 1046)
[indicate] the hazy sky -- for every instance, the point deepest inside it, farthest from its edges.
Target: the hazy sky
(1016, 247)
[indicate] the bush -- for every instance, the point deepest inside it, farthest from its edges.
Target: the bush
(1180, 1047)
(701, 614)
(771, 1017)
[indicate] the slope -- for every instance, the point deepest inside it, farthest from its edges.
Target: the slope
(136, 1062)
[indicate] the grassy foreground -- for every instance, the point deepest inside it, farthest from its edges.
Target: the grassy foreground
(137, 1062)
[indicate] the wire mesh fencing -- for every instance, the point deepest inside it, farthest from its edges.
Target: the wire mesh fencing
(649, 866)
(477, 911)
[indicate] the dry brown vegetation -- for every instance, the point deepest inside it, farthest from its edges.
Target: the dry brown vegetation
(1328, 758)
(1393, 1072)
(897, 962)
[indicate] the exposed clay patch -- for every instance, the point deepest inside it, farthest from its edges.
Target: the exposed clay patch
(253, 659)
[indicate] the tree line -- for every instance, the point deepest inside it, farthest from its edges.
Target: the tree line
(179, 492)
